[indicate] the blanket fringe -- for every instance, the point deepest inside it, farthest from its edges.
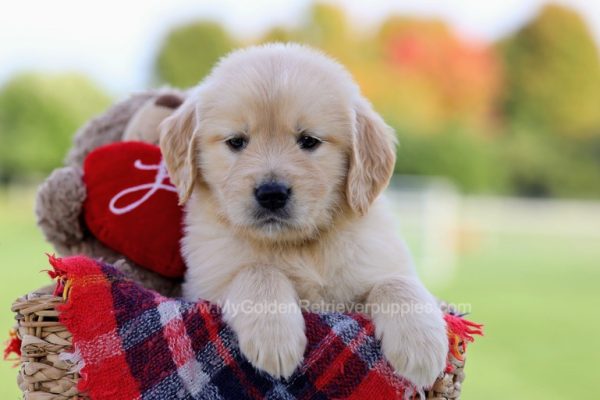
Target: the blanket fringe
(13, 346)
(461, 331)
(73, 358)
(59, 275)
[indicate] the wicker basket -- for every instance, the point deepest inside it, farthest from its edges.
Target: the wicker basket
(45, 375)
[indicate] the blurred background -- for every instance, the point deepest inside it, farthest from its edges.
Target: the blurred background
(496, 105)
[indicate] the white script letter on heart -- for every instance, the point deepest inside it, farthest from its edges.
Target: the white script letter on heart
(150, 188)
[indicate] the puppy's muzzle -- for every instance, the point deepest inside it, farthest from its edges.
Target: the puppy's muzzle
(272, 196)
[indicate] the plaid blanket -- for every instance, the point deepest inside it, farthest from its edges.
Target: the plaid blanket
(132, 343)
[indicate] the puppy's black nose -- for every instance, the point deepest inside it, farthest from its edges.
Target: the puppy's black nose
(272, 195)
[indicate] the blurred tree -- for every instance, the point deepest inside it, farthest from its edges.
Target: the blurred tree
(468, 160)
(279, 34)
(326, 27)
(553, 74)
(459, 79)
(552, 166)
(38, 116)
(189, 52)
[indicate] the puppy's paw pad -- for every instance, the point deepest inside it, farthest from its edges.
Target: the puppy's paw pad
(276, 355)
(418, 355)
(273, 343)
(422, 370)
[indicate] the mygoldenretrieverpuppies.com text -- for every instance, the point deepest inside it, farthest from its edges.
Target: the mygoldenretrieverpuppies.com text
(276, 307)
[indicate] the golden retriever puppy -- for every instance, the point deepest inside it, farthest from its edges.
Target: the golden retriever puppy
(281, 162)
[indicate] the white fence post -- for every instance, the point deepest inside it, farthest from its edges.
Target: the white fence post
(441, 221)
(429, 209)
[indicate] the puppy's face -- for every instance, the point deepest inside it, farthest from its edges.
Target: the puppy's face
(282, 139)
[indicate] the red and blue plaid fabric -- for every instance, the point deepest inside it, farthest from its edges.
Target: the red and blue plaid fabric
(132, 343)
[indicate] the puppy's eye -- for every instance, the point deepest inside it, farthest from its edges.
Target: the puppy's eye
(307, 142)
(237, 143)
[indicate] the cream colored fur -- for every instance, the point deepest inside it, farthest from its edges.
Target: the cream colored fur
(338, 246)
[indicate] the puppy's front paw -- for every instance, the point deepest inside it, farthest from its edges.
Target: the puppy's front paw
(416, 346)
(273, 343)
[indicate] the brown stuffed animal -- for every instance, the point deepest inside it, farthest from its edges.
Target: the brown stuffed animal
(60, 198)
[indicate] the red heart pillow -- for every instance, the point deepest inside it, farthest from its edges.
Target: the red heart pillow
(131, 205)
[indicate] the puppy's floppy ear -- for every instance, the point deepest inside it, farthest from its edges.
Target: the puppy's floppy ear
(372, 157)
(178, 147)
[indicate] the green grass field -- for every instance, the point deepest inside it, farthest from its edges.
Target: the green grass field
(22, 257)
(538, 297)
